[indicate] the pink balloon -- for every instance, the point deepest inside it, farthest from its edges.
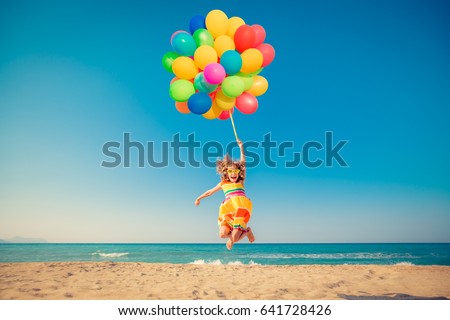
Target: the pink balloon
(268, 53)
(214, 73)
(247, 103)
(225, 114)
(260, 35)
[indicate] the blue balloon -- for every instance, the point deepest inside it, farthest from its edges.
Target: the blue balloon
(199, 103)
(231, 61)
(184, 44)
(197, 22)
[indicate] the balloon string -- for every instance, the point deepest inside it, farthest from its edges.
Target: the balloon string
(232, 123)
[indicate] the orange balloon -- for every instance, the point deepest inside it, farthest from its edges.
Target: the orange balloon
(174, 79)
(252, 60)
(223, 101)
(217, 23)
(259, 87)
(233, 24)
(223, 43)
(204, 55)
(212, 113)
(184, 68)
(182, 107)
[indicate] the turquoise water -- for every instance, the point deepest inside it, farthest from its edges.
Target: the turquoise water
(262, 254)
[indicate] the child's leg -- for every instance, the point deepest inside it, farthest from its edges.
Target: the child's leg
(250, 235)
(224, 231)
(229, 244)
(237, 235)
(234, 236)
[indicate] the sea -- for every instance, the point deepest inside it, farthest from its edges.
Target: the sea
(241, 254)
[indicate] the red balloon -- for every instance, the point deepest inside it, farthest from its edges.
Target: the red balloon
(260, 35)
(247, 103)
(268, 53)
(225, 114)
(244, 38)
(213, 94)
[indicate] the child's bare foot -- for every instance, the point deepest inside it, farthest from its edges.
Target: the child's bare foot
(250, 235)
(229, 244)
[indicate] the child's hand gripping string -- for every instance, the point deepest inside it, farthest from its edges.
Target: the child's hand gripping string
(241, 148)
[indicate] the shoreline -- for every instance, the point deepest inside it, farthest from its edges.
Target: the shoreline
(152, 281)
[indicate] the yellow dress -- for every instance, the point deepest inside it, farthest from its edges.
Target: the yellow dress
(236, 209)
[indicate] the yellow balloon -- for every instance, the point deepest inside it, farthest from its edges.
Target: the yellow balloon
(213, 113)
(233, 24)
(224, 102)
(223, 43)
(217, 23)
(184, 68)
(252, 60)
(259, 87)
(204, 55)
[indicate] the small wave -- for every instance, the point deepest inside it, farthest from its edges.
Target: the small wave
(359, 255)
(404, 264)
(213, 262)
(219, 263)
(111, 255)
(237, 263)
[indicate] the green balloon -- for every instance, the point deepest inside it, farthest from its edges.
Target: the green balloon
(168, 59)
(181, 90)
(248, 82)
(233, 86)
(203, 37)
(251, 74)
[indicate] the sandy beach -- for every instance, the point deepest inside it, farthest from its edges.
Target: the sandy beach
(136, 281)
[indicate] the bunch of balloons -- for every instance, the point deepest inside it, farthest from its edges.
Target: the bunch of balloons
(217, 64)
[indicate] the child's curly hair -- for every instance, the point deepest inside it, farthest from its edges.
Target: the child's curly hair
(225, 163)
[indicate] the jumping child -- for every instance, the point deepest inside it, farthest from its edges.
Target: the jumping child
(236, 209)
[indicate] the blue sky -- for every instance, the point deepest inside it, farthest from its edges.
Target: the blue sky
(77, 74)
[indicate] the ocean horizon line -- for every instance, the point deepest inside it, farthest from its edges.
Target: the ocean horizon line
(220, 243)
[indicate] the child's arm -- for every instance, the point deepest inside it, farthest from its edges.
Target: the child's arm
(208, 193)
(241, 147)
